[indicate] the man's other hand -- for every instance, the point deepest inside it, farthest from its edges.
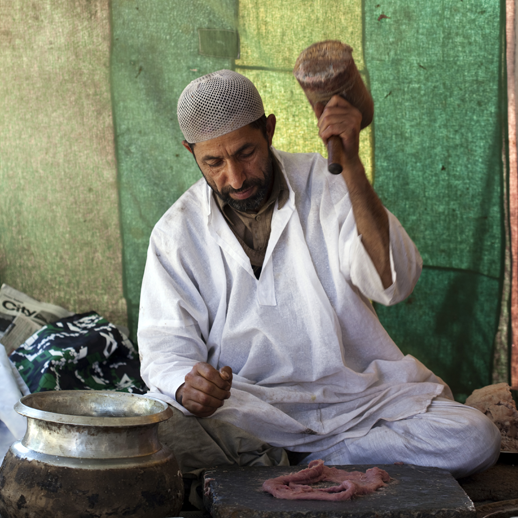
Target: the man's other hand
(205, 389)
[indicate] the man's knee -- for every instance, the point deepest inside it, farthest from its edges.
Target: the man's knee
(482, 445)
(450, 436)
(471, 441)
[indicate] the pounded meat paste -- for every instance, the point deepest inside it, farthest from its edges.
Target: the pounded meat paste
(297, 486)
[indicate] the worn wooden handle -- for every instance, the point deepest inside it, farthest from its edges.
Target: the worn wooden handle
(335, 154)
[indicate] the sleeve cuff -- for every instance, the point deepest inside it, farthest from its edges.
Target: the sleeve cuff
(405, 267)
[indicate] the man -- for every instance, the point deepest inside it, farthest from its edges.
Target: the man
(255, 309)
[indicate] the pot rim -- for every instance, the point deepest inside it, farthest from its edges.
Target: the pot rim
(24, 408)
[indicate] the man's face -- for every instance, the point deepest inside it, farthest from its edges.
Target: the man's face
(238, 166)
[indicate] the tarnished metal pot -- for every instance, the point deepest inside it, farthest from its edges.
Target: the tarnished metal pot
(90, 454)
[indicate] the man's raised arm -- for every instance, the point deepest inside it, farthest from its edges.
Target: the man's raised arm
(340, 118)
(383, 261)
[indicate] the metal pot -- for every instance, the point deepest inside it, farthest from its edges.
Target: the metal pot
(90, 454)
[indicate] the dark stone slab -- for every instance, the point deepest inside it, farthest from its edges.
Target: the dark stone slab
(414, 492)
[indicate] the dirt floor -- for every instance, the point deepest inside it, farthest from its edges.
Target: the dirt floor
(495, 491)
(494, 485)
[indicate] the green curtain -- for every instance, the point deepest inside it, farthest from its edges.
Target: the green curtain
(158, 48)
(436, 75)
(81, 190)
(155, 54)
(435, 72)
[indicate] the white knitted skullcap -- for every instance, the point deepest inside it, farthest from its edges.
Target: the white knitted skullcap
(216, 104)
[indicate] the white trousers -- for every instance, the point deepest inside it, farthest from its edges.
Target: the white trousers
(448, 435)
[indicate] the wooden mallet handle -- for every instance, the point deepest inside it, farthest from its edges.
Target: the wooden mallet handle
(335, 154)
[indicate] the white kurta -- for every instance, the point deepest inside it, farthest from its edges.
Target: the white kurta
(312, 364)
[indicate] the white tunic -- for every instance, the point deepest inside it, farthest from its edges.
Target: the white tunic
(312, 364)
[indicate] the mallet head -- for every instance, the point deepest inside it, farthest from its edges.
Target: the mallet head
(327, 68)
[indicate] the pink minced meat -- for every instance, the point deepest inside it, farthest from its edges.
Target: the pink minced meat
(350, 483)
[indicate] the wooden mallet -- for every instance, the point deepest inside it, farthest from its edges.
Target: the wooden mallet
(325, 69)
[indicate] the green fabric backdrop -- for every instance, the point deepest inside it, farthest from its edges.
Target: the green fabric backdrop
(156, 53)
(435, 75)
(154, 56)
(435, 71)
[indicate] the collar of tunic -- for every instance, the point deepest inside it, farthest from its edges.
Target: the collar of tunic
(252, 230)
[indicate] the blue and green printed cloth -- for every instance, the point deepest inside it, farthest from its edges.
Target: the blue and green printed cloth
(81, 352)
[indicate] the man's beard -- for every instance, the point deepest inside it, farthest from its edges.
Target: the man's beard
(255, 202)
